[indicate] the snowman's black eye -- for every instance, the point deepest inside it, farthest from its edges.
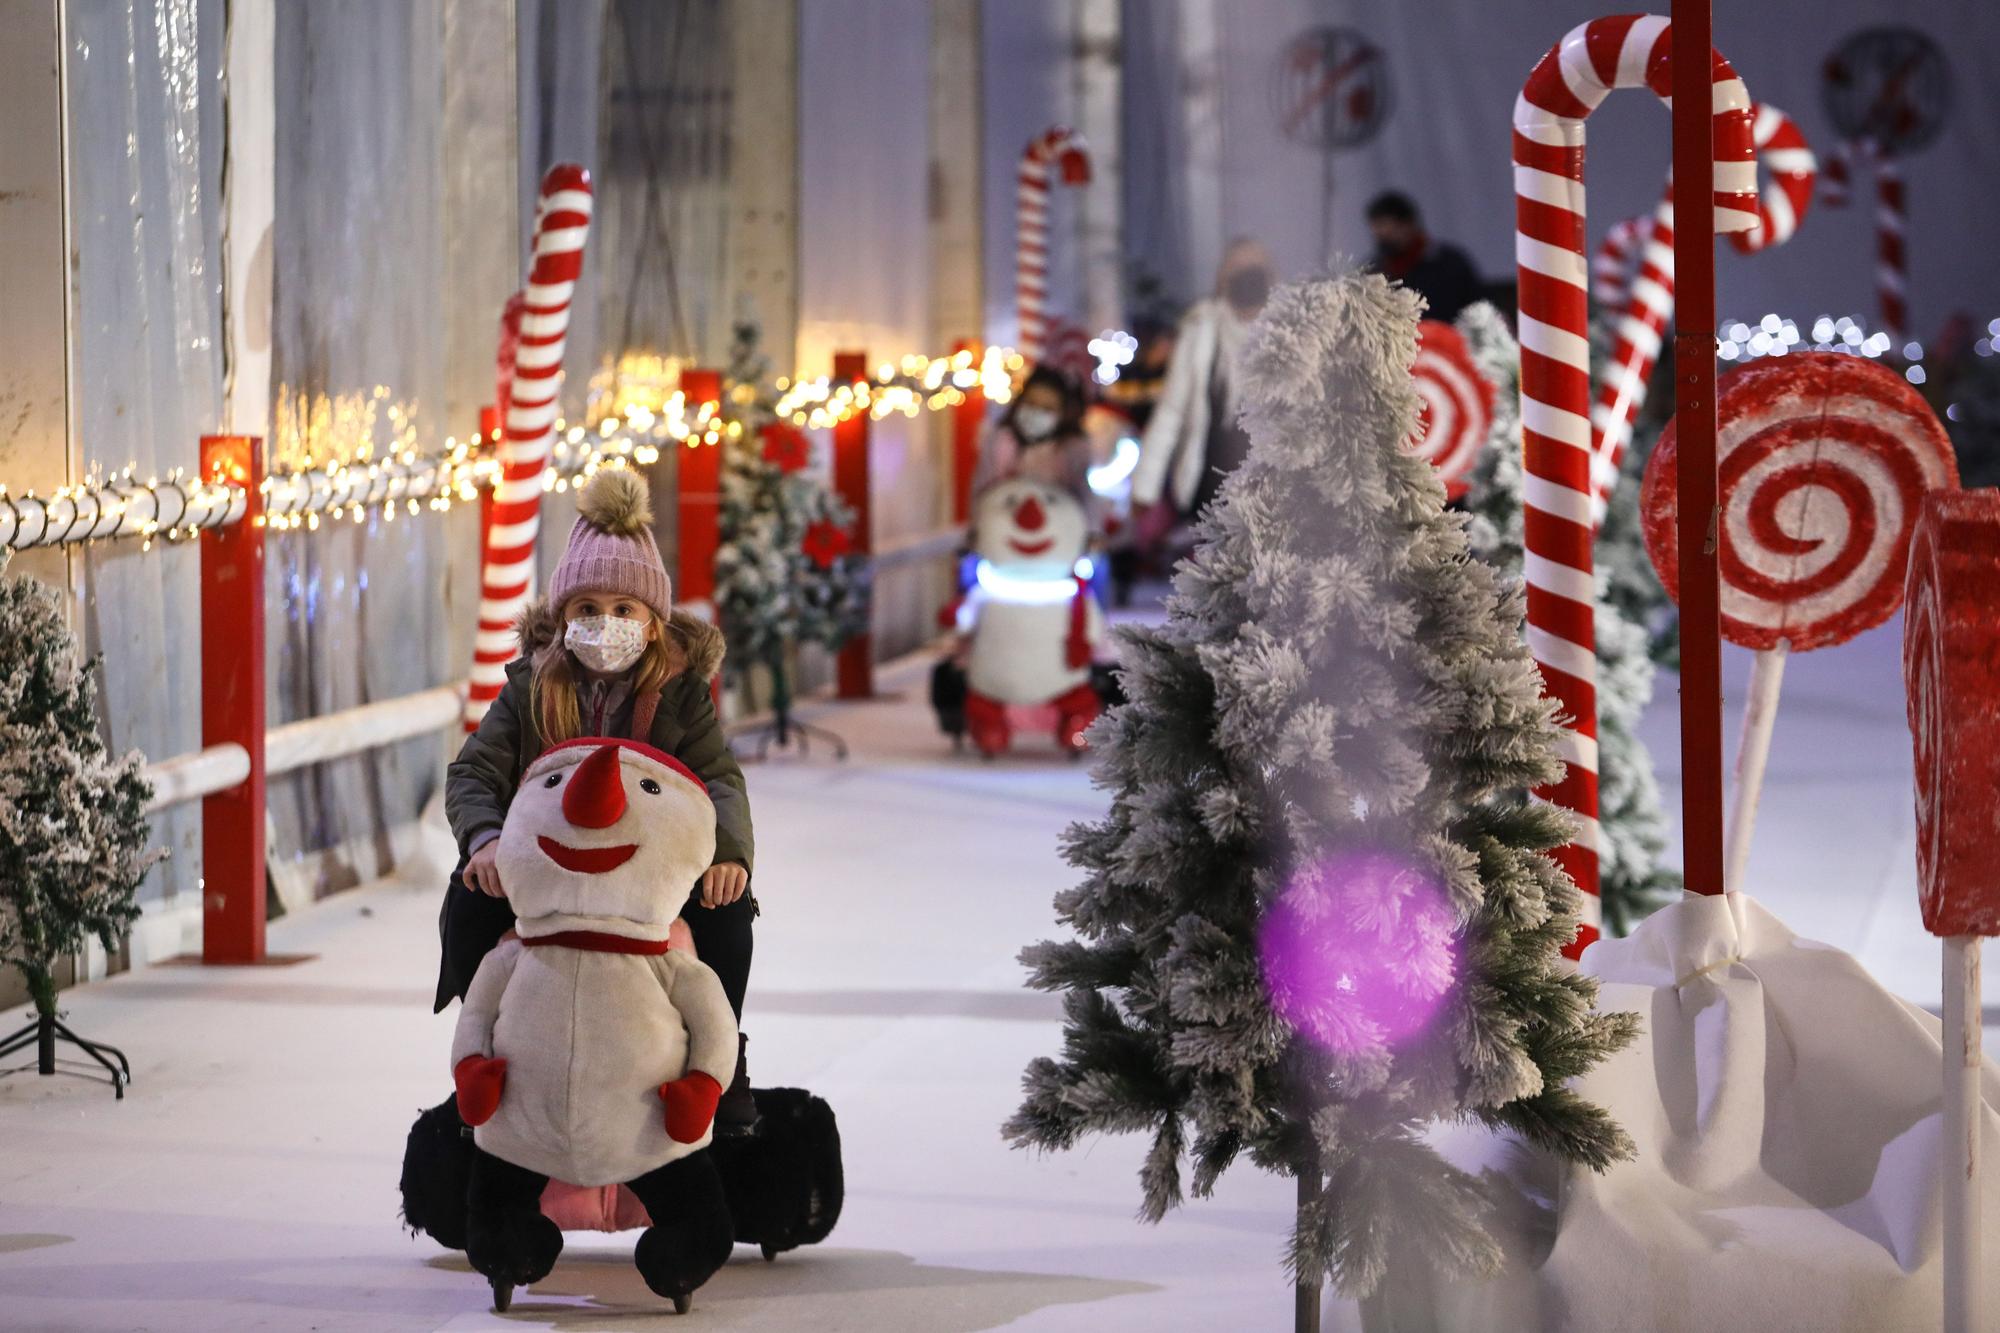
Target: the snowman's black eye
(552, 780)
(650, 787)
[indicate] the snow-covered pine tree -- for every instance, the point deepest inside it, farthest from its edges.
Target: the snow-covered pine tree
(785, 571)
(73, 824)
(1632, 826)
(1321, 913)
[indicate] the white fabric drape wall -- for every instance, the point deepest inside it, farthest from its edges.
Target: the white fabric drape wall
(864, 255)
(144, 158)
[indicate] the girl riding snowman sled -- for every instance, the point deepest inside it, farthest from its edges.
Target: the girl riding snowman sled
(602, 822)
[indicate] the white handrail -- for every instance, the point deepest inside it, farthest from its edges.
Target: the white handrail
(189, 777)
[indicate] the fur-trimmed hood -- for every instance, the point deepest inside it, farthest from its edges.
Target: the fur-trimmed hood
(698, 644)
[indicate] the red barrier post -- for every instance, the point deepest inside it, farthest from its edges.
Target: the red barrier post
(232, 706)
(968, 419)
(1694, 428)
(850, 479)
(699, 505)
(490, 420)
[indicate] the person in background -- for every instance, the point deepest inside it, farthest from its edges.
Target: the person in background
(1192, 439)
(1404, 251)
(1040, 436)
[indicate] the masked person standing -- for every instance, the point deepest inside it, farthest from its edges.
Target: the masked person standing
(1192, 440)
(1404, 251)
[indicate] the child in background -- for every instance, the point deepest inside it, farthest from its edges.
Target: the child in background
(605, 654)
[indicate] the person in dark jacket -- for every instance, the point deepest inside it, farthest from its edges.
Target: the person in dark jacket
(605, 655)
(1404, 251)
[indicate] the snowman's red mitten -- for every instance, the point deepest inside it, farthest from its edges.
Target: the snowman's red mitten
(690, 1101)
(480, 1079)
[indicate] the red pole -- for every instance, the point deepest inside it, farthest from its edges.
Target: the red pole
(850, 478)
(1694, 429)
(700, 508)
(967, 420)
(232, 706)
(490, 419)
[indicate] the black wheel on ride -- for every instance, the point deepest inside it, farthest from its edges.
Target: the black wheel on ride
(503, 1296)
(770, 1254)
(681, 1303)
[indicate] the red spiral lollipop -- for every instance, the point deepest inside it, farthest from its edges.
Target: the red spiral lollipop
(1457, 407)
(1951, 668)
(1823, 460)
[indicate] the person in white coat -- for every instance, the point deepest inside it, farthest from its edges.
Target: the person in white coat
(1192, 439)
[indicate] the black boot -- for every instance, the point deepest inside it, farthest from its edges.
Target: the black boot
(736, 1113)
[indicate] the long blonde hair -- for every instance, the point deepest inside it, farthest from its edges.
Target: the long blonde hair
(552, 689)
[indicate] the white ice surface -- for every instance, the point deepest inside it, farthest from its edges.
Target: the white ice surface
(248, 1180)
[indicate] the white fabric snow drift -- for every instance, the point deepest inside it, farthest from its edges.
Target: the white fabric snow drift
(1786, 1110)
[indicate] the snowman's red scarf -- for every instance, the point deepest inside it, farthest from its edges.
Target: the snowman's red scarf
(596, 941)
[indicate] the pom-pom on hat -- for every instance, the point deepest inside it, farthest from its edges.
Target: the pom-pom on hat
(611, 548)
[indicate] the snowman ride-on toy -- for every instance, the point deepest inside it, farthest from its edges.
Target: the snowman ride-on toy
(591, 1051)
(1029, 628)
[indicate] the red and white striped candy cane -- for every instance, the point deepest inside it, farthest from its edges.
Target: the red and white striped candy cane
(1782, 205)
(1065, 148)
(1891, 224)
(1782, 150)
(1611, 267)
(562, 221)
(1565, 86)
(1892, 266)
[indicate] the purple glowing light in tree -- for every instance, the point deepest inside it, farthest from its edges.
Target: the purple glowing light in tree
(1357, 952)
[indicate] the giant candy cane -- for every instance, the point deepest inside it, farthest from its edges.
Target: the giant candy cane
(1563, 89)
(1063, 147)
(1891, 225)
(562, 221)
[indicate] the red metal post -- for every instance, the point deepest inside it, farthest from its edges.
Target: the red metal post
(232, 706)
(968, 419)
(700, 509)
(1694, 430)
(850, 478)
(490, 419)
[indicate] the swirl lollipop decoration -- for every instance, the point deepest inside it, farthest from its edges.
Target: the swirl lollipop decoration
(1951, 670)
(1822, 463)
(1457, 408)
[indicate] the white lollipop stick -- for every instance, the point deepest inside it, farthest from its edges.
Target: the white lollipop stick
(1753, 749)
(1961, 1134)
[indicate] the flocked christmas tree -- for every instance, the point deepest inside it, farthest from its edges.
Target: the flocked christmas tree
(785, 568)
(1632, 827)
(73, 822)
(1321, 914)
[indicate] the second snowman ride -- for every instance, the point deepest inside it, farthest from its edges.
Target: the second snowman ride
(1029, 627)
(586, 1050)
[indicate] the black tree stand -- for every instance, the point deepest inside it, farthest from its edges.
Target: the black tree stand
(47, 1029)
(783, 729)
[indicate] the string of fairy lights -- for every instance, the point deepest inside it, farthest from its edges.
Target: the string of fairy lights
(315, 492)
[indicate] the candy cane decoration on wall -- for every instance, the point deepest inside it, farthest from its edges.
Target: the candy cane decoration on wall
(1891, 225)
(507, 564)
(1063, 147)
(1781, 148)
(1565, 86)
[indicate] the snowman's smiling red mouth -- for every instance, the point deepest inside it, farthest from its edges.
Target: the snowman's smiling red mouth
(1031, 548)
(587, 860)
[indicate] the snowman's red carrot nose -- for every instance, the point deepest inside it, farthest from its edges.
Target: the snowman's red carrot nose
(595, 797)
(1029, 517)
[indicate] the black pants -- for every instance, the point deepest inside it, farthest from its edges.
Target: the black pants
(470, 923)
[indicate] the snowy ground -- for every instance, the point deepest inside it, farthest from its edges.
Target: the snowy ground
(248, 1180)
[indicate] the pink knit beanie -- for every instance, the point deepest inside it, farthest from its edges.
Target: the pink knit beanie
(611, 548)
